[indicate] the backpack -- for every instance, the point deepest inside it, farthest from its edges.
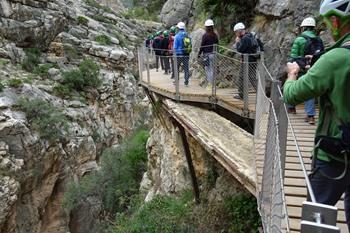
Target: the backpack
(187, 42)
(256, 44)
(171, 43)
(313, 45)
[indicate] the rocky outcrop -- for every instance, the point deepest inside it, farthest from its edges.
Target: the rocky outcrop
(277, 25)
(32, 23)
(115, 5)
(175, 11)
(168, 172)
(34, 171)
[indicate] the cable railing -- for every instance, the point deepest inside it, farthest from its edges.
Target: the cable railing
(271, 128)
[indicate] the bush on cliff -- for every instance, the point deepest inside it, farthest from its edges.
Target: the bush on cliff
(117, 181)
(79, 79)
(48, 120)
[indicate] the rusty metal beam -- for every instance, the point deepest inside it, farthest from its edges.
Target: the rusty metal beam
(189, 160)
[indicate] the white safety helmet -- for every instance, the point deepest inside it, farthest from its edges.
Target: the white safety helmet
(181, 25)
(336, 7)
(209, 23)
(238, 26)
(308, 22)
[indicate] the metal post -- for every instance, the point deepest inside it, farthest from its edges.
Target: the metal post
(148, 71)
(246, 83)
(189, 162)
(282, 121)
(215, 71)
(262, 71)
(140, 57)
(176, 76)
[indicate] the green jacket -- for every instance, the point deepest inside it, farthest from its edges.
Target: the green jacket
(329, 76)
(299, 44)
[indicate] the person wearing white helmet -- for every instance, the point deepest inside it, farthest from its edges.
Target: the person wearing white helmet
(246, 43)
(181, 42)
(306, 44)
(329, 80)
(209, 39)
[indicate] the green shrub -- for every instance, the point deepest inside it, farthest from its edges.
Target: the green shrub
(82, 20)
(63, 91)
(45, 118)
(43, 70)
(122, 40)
(70, 52)
(97, 5)
(32, 59)
(243, 212)
(162, 214)
(87, 75)
(103, 40)
(3, 62)
(117, 180)
(102, 18)
(2, 86)
(14, 82)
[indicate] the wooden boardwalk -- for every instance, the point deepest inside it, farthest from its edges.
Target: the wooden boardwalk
(294, 183)
(162, 84)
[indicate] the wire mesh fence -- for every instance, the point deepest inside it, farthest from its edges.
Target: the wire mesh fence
(270, 189)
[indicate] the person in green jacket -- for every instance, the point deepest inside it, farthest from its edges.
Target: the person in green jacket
(307, 43)
(329, 80)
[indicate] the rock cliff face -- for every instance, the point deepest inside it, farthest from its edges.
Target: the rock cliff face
(168, 173)
(34, 171)
(175, 11)
(277, 24)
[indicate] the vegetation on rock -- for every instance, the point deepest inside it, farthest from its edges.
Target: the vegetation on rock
(82, 20)
(117, 181)
(86, 76)
(45, 118)
(14, 82)
(43, 70)
(32, 59)
(2, 86)
(103, 39)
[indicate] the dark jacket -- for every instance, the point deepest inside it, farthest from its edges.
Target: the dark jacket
(248, 45)
(208, 40)
(157, 45)
(165, 46)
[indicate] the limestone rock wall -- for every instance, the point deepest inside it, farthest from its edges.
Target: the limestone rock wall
(278, 27)
(175, 11)
(33, 171)
(167, 170)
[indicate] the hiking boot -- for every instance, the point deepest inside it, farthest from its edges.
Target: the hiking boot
(237, 96)
(292, 111)
(310, 120)
(209, 87)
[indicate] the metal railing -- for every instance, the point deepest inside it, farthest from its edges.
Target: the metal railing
(270, 135)
(223, 69)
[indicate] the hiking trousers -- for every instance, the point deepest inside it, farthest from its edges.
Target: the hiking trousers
(328, 191)
(184, 61)
(209, 68)
(251, 78)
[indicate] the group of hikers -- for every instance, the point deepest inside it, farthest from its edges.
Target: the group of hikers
(176, 40)
(313, 72)
(165, 44)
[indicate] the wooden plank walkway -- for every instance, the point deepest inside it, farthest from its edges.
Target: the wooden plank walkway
(162, 84)
(294, 183)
